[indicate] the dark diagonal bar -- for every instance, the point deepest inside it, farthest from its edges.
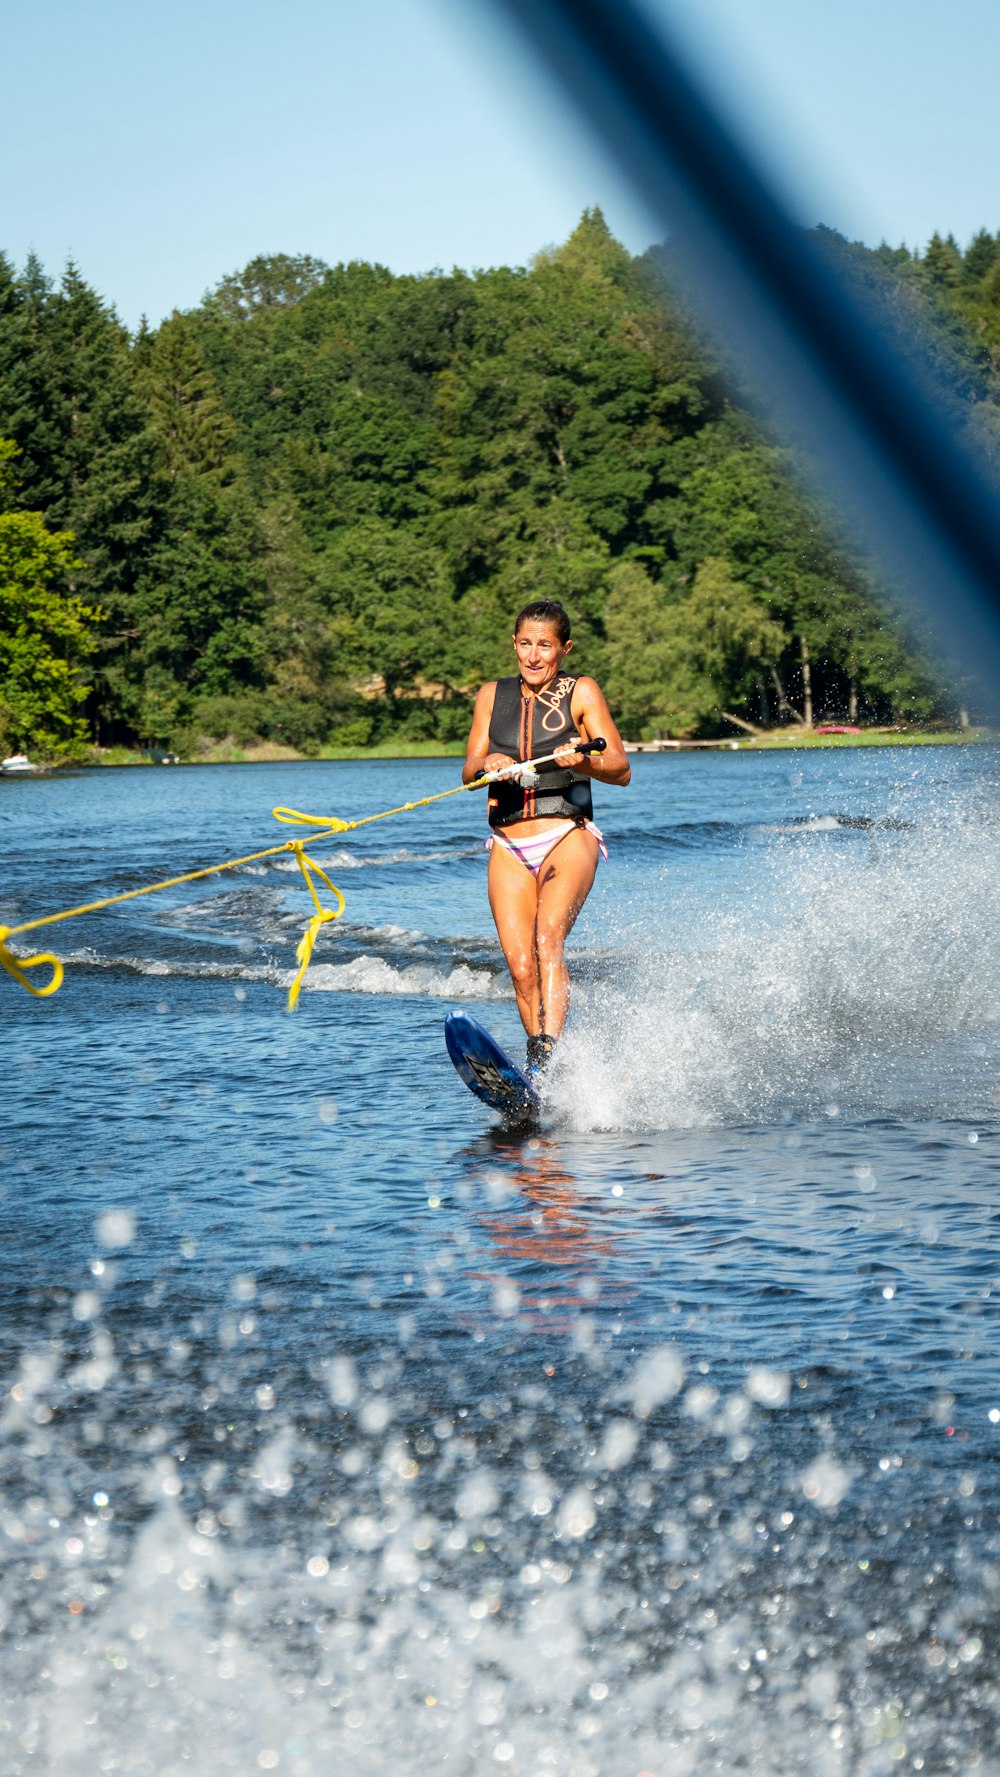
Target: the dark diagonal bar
(880, 440)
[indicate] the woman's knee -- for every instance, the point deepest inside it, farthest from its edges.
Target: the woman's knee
(523, 970)
(549, 943)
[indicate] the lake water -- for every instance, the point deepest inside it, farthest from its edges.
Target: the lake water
(341, 1431)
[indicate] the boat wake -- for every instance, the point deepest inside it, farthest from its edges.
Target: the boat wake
(845, 987)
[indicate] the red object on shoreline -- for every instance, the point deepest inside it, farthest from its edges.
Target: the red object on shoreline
(836, 728)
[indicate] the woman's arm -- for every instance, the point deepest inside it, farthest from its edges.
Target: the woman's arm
(477, 754)
(590, 712)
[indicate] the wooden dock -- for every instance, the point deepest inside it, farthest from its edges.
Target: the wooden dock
(677, 746)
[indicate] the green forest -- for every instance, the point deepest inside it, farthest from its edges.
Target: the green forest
(305, 513)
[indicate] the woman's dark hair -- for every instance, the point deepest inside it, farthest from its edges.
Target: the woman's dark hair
(546, 611)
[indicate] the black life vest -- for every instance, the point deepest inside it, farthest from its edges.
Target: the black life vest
(528, 728)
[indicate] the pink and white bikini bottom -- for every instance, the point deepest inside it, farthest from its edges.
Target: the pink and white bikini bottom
(532, 849)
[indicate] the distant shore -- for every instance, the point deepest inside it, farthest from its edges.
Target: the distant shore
(775, 739)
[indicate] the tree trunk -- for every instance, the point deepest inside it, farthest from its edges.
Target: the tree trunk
(738, 722)
(784, 707)
(765, 706)
(852, 700)
(807, 683)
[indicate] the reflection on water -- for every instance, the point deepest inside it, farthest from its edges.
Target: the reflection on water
(340, 1431)
(542, 1220)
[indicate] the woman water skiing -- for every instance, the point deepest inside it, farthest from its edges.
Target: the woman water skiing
(544, 846)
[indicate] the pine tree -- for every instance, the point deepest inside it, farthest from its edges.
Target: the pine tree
(980, 257)
(34, 412)
(942, 262)
(192, 428)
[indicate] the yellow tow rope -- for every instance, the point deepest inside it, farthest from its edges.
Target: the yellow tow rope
(17, 967)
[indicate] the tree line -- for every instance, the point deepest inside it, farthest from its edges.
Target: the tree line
(307, 510)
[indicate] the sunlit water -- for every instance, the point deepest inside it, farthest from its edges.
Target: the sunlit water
(342, 1433)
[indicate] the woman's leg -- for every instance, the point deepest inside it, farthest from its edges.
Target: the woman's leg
(564, 882)
(513, 895)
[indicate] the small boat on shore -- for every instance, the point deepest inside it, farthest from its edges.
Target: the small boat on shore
(18, 765)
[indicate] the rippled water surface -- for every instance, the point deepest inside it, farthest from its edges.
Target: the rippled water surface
(341, 1431)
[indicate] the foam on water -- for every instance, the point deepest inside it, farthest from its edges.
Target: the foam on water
(395, 959)
(845, 984)
(349, 860)
(363, 974)
(191, 969)
(373, 974)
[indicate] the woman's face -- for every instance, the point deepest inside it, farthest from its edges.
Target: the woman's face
(539, 651)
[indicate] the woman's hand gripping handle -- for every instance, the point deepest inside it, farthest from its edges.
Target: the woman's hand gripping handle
(525, 771)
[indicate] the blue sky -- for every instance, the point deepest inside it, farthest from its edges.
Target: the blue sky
(163, 148)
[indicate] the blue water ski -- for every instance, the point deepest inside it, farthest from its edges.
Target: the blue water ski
(487, 1071)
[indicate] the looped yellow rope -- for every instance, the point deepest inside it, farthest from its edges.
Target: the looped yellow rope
(292, 818)
(322, 916)
(16, 966)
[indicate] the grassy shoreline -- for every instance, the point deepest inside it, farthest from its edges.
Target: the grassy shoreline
(271, 753)
(776, 740)
(871, 737)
